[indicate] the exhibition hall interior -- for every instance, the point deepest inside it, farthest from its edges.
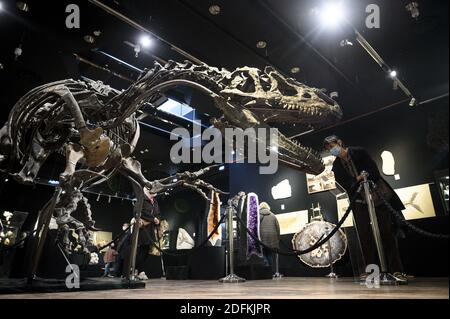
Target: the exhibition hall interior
(211, 149)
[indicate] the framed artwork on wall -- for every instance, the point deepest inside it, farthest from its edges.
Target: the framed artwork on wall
(418, 201)
(291, 223)
(324, 181)
(442, 183)
(342, 206)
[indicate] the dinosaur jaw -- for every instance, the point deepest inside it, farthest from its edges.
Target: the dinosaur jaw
(316, 113)
(298, 156)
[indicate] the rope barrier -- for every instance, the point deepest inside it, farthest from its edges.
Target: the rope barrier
(115, 239)
(318, 244)
(399, 216)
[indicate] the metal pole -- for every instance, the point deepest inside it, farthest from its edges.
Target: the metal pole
(41, 235)
(277, 274)
(332, 274)
(385, 277)
(232, 277)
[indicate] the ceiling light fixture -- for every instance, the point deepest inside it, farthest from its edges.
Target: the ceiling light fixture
(214, 9)
(393, 74)
(295, 70)
(22, 6)
(261, 44)
(89, 38)
(332, 14)
(346, 43)
(413, 8)
(145, 41)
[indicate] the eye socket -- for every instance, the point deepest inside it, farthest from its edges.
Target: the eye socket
(247, 86)
(307, 95)
(284, 87)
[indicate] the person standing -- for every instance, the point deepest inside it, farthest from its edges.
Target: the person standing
(347, 168)
(270, 232)
(109, 259)
(149, 218)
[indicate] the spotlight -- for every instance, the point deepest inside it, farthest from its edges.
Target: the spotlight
(413, 8)
(261, 44)
(214, 9)
(89, 39)
(393, 74)
(221, 168)
(175, 180)
(137, 50)
(145, 41)
(17, 52)
(346, 43)
(295, 70)
(22, 6)
(332, 14)
(413, 102)
(274, 149)
(395, 85)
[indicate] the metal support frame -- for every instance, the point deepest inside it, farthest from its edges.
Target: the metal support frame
(42, 226)
(231, 277)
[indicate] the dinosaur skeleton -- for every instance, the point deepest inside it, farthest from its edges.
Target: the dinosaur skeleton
(96, 128)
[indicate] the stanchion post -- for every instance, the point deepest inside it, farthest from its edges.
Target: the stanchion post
(231, 277)
(385, 277)
(277, 274)
(332, 274)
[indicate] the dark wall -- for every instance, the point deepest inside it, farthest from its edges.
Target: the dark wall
(410, 134)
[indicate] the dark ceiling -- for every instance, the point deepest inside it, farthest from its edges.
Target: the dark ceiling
(418, 49)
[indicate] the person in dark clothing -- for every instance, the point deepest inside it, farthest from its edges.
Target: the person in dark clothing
(149, 218)
(123, 251)
(347, 168)
(269, 231)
